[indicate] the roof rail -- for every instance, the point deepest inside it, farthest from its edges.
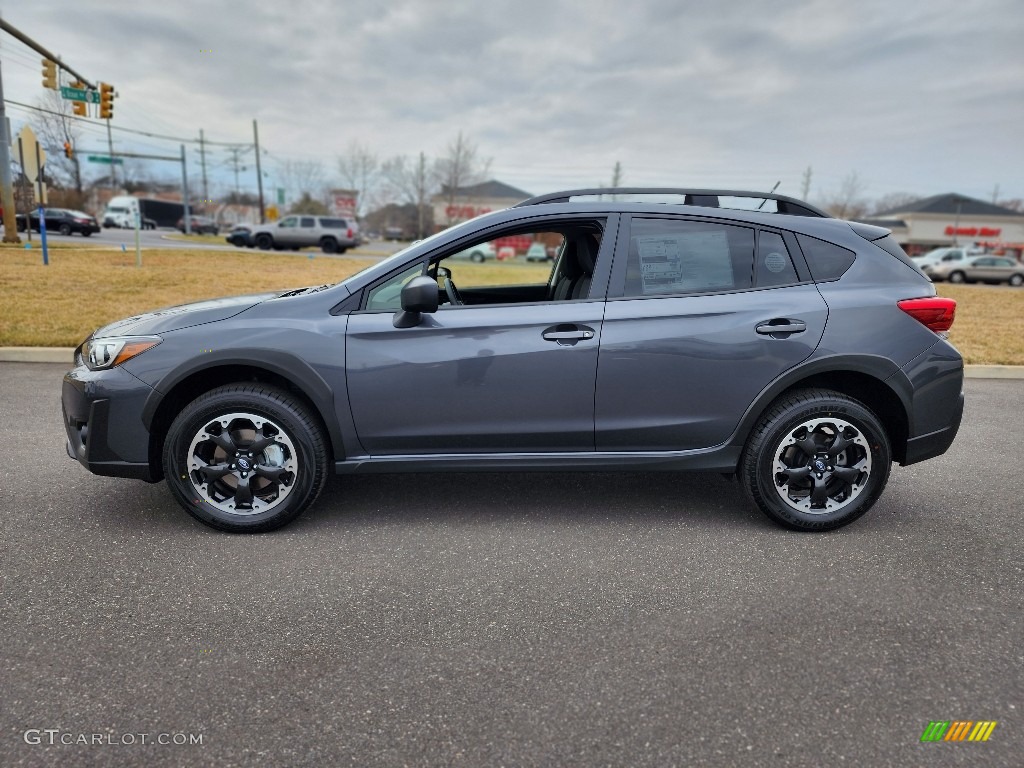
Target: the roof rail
(705, 197)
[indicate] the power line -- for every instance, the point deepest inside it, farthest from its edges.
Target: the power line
(135, 131)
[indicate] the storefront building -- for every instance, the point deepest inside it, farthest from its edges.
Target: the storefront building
(952, 219)
(464, 203)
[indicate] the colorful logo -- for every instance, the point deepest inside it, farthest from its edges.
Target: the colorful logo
(958, 730)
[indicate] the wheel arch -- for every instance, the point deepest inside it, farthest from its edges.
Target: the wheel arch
(181, 387)
(866, 378)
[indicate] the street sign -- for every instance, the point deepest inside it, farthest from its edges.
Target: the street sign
(80, 94)
(28, 151)
(280, 196)
(105, 159)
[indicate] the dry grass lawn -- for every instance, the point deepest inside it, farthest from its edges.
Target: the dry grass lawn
(84, 288)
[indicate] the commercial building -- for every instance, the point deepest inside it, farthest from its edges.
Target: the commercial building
(452, 206)
(952, 219)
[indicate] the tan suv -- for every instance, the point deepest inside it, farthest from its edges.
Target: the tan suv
(980, 269)
(331, 234)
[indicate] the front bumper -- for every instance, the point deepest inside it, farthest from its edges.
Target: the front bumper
(103, 420)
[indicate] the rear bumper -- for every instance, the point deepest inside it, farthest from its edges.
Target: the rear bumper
(103, 420)
(936, 380)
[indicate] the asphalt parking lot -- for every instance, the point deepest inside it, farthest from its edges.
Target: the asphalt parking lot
(525, 619)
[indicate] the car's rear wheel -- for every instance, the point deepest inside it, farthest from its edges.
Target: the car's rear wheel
(817, 460)
(86, 233)
(264, 242)
(1017, 280)
(329, 245)
(245, 458)
(957, 277)
(477, 257)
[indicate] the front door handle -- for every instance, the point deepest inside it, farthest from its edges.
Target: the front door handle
(781, 327)
(567, 334)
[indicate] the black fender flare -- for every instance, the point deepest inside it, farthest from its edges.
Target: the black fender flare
(886, 372)
(293, 369)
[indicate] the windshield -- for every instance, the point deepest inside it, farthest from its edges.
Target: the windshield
(396, 257)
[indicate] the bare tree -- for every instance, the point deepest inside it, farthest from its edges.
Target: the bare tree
(892, 201)
(409, 181)
(848, 201)
(805, 183)
(304, 176)
(55, 129)
(617, 175)
(460, 166)
(359, 168)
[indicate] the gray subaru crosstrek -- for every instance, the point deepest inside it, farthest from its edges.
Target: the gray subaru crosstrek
(802, 353)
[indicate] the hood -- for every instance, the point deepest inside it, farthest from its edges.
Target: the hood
(183, 316)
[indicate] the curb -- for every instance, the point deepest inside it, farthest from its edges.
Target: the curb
(67, 354)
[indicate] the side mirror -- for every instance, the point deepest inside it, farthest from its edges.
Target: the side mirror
(419, 295)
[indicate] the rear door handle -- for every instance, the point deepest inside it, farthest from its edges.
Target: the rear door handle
(780, 326)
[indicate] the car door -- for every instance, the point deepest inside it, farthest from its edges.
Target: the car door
(286, 232)
(695, 328)
(513, 375)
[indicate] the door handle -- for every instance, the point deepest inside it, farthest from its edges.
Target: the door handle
(781, 326)
(567, 334)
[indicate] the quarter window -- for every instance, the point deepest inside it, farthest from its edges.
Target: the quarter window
(669, 256)
(826, 260)
(773, 266)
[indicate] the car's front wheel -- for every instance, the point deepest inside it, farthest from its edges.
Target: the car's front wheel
(245, 458)
(1016, 280)
(817, 460)
(957, 277)
(264, 242)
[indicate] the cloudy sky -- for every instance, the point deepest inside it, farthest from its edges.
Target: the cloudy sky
(919, 97)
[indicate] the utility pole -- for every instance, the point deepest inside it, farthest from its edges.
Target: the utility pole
(202, 162)
(236, 163)
(995, 195)
(110, 147)
(259, 173)
(184, 192)
(805, 187)
(6, 184)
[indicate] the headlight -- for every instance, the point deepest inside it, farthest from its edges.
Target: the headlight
(110, 352)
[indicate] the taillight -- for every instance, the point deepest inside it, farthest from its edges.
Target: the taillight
(350, 233)
(934, 312)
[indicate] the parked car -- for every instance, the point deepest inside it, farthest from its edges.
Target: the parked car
(60, 220)
(802, 353)
(980, 269)
(479, 253)
(331, 234)
(926, 261)
(199, 225)
(240, 236)
(538, 252)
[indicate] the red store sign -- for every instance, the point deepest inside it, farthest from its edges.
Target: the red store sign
(973, 231)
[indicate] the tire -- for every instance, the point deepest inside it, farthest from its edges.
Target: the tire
(288, 473)
(329, 245)
(1016, 280)
(65, 229)
(477, 258)
(86, 233)
(264, 241)
(779, 442)
(957, 277)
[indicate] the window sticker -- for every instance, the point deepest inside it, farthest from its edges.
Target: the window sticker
(684, 262)
(775, 262)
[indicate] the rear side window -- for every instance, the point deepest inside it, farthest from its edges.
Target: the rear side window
(773, 266)
(826, 260)
(669, 256)
(889, 245)
(334, 223)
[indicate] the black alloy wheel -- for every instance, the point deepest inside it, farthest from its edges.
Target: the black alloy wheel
(817, 460)
(245, 458)
(329, 245)
(264, 241)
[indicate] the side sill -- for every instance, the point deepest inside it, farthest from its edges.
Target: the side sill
(721, 459)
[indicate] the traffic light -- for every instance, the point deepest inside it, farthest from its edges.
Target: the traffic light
(50, 74)
(106, 101)
(79, 108)
(68, 150)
